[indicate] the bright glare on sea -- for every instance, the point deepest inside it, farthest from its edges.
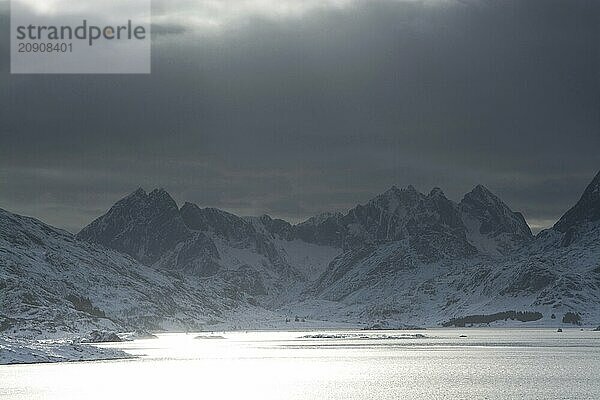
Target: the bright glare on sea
(487, 364)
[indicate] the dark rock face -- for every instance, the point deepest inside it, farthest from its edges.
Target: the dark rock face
(434, 226)
(532, 277)
(382, 219)
(142, 225)
(96, 336)
(571, 318)
(491, 221)
(437, 231)
(495, 216)
(153, 230)
(236, 231)
(403, 228)
(246, 280)
(85, 304)
(276, 227)
(221, 223)
(385, 218)
(587, 210)
(325, 229)
(198, 256)
(339, 268)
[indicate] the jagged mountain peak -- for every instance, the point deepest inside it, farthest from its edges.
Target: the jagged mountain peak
(139, 192)
(486, 214)
(163, 197)
(396, 200)
(437, 192)
(482, 192)
(217, 221)
(143, 225)
(481, 196)
(159, 193)
(587, 209)
(136, 197)
(267, 225)
(188, 206)
(141, 198)
(481, 221)
(398, 191)
(208, 212)
(265, 217)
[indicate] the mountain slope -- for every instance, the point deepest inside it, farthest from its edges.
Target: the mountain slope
(509, 271)
(54, 284)
(126, 226)
(584, 215)
(492, 226)
(383, 285)
(258, 256)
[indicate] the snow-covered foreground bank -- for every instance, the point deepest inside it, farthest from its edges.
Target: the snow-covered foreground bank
(23, 351)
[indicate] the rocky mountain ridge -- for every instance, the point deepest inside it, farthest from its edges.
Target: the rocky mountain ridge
(147, 226)
(403, 258)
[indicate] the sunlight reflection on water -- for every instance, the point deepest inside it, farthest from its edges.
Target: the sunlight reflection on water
(492, 364)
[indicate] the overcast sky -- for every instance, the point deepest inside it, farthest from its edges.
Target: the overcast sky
(292, 108)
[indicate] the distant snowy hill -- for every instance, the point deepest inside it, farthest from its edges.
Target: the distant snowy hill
(403, 258)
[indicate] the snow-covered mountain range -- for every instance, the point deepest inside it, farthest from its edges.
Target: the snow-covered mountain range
(403, 258)
(54, 284)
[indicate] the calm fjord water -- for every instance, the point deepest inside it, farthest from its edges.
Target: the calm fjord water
(487, 364)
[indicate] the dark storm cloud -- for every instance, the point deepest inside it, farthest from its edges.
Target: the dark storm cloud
(293, 116)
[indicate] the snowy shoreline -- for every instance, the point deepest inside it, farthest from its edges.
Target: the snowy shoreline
(24, 351)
